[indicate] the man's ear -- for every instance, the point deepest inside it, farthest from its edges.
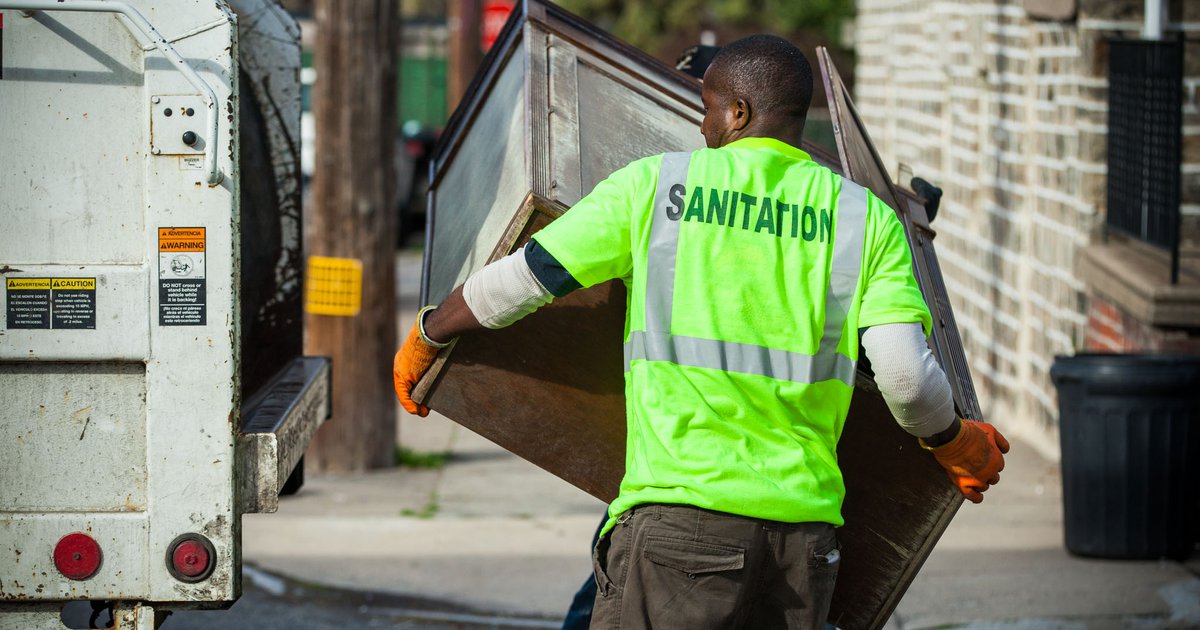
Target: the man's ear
(739, 114)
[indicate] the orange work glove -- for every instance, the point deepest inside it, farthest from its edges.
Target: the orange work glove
(973, 459)
(411, 362)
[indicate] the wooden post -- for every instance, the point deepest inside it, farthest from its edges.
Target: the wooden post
(465, 51)
(352, 214)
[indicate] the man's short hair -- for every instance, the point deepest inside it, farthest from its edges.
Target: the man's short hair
(767, 71)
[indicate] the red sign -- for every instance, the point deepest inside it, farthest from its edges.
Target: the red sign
(495, 14)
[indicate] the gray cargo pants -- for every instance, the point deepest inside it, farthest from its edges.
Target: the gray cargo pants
(675, 566)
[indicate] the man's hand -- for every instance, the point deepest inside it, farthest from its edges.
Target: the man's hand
(411, 362)
(973, 459)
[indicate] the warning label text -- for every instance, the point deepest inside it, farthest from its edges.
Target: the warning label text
(181, 239)
(181, 302)
(50, 303)
(181, 283)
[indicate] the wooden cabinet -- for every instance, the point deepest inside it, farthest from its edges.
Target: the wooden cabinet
(558, 106)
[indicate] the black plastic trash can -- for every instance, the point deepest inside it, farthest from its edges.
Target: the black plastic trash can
(1130, 435)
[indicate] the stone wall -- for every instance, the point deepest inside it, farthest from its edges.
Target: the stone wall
(1008, 115)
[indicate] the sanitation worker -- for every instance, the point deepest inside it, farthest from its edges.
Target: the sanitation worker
(751, 271)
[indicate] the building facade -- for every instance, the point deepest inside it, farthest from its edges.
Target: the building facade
(1004, 105)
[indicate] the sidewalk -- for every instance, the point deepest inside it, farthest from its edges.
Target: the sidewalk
(486, 531)
(1002, 564)
(490, 533)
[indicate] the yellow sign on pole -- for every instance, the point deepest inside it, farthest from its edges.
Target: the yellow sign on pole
(333, 286)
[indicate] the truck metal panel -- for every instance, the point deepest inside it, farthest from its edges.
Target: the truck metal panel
(60, 414)
(89, 203)
(151, 265)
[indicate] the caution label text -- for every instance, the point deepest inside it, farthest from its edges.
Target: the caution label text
(50, 303)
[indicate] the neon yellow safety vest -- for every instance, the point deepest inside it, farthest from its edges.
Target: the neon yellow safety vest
(750, 270)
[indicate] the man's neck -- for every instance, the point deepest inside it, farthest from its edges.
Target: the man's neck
(790, 133)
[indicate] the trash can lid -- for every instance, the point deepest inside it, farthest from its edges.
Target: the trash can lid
(1151, 370)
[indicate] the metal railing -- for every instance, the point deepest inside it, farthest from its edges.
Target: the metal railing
(1145, 116)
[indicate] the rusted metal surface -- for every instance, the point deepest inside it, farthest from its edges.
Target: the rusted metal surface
(493, 376)
(277, 424)
(550, 387)
(83, 413)
(272, 260)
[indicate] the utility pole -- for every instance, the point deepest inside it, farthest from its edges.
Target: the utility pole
(465, 52)
(352, 216)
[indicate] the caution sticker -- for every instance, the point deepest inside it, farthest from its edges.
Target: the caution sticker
(51, 303)
(73, 303)
(181, 281)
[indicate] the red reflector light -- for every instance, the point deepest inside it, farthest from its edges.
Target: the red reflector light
(77, 556)
(191, 558)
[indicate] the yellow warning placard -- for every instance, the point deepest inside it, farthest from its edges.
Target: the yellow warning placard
(78, 284)
(50, 303)
(333, 286)
(181, 239)
(28, 284)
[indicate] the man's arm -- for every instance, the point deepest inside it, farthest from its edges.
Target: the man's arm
(451, 319)
(496, 296)
(912, 383)
(587, 245)
(916, 391)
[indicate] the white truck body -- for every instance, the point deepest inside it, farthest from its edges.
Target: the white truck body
(121, 391)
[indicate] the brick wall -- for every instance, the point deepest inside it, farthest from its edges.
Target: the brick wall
(1008, 115)
(1188, 14)
(1111, 329)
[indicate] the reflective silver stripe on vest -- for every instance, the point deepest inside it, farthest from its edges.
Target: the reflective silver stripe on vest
(847, 262)
(743, 358)
(664, 244)
(656, 343)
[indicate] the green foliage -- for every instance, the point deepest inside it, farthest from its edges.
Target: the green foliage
(642, 22)
(428, 511)
(413, 459)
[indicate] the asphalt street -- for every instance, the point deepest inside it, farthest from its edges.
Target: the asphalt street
(272, 603)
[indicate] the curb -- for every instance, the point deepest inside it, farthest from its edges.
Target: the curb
(408, 607)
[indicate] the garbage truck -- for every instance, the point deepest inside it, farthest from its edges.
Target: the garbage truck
(152, 383)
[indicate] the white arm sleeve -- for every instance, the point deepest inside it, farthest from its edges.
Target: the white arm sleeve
(911, 381)
(504, 291)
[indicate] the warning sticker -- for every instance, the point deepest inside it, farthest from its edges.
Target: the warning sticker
(51, 303)
(181, 303)
(181, 282)
(73, 303)
(181, 239)
(28, 302)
